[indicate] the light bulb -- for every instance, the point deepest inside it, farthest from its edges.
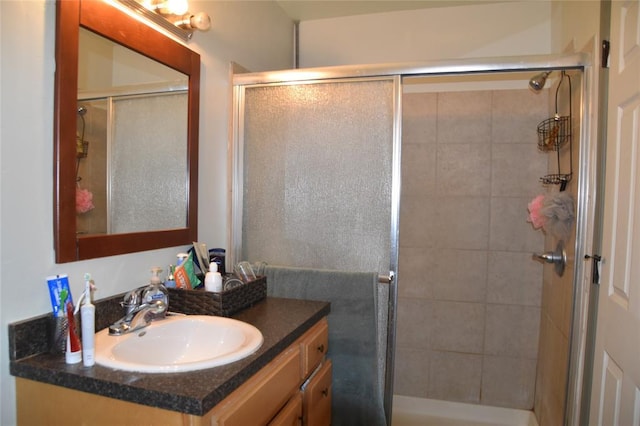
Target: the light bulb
(177, 7)
(197, 21)
(170, 7)
(200, 21)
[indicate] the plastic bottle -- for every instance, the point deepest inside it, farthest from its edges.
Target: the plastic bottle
(171, 280)
(88, 321)
(155, 290)
(213, 279)
(181, 258)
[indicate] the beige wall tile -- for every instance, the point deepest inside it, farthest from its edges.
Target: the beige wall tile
(516, 115)
(551, 375)
(463, 169)
(455, 376)
(419, 118)
(465, 242)
(514, 278)
(516, 170)
(512, 331)
(415, 267)
(413, 378)
(418, 222)
(458, 326)
(464, 117)
(459, 275)
(418, 169)
(510, 230)
(462, 222)
(415, 323)
(508, 382)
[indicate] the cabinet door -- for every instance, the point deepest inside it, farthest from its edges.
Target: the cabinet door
(291, 414)
(259, 399)
(317, 398)
(314, 346)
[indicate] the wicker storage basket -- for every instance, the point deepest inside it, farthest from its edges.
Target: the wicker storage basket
(225, 304)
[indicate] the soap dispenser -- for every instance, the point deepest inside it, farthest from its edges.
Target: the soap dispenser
(156, 291)
(213, 279)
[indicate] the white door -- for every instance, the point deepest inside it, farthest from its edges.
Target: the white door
(615, 398)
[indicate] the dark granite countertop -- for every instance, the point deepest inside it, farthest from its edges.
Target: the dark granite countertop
(281, 322)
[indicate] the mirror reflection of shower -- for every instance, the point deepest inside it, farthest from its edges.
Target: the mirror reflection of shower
(82, 145)
(91, 201)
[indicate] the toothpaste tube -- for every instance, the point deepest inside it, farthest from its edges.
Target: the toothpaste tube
(59, 288)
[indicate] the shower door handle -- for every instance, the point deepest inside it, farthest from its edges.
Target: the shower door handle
(558, 258)
(386, 279)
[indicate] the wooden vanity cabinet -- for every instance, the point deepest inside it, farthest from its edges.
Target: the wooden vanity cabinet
(273, 396)
(316, 408)
(291, 414)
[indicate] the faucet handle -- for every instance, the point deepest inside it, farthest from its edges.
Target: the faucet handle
(132, 300)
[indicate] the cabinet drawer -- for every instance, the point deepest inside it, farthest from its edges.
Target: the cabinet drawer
(314, 346)
(258, 400)
(291, 414)
(317, 398)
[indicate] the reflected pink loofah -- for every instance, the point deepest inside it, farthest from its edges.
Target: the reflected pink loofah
(535, 215)
(84, 200)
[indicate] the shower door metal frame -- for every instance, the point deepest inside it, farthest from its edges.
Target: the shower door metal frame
(586, 170)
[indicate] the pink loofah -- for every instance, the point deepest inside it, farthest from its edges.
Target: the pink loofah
(535, 215)
(84, 200)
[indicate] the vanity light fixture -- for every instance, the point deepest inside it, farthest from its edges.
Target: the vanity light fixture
(172, 15)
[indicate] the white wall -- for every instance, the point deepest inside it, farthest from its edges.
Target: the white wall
(502, 29)
(254, 34)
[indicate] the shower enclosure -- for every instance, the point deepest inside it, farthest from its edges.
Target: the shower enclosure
(424, 175)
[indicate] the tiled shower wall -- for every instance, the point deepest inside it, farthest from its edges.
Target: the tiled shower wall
(469, 292)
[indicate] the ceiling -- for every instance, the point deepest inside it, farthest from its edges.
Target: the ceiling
(305, 10)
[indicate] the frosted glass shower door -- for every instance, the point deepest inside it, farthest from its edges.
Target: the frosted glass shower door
(314, 188)
(151, 194)
(317, 169)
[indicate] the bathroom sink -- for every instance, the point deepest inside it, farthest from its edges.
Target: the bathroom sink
(178, 344)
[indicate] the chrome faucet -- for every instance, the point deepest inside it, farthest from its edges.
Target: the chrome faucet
(138, 317)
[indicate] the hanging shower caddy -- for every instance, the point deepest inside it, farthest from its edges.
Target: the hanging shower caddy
(555, 133)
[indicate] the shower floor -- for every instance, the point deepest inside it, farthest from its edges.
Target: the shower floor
(408, 411)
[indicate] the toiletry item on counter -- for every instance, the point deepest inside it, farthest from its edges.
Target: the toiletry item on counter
(218, 255)
(74, 349)
(57, 284)
(87, 321)
(181, 258)
(200, 256)
(213, 279)
(185, 274)
(59, 293)
(244, 271)
(170, 282)
(156, 291)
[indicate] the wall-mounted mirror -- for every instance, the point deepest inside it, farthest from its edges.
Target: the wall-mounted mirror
(126, 135)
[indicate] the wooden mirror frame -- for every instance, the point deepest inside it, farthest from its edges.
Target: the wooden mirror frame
(114, 24)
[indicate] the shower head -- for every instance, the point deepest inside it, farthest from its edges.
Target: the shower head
(537, 81)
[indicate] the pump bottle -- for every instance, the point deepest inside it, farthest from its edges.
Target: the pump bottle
(156, 290)
(213, 279)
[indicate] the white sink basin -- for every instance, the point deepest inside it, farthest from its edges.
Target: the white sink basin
(177, 344)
